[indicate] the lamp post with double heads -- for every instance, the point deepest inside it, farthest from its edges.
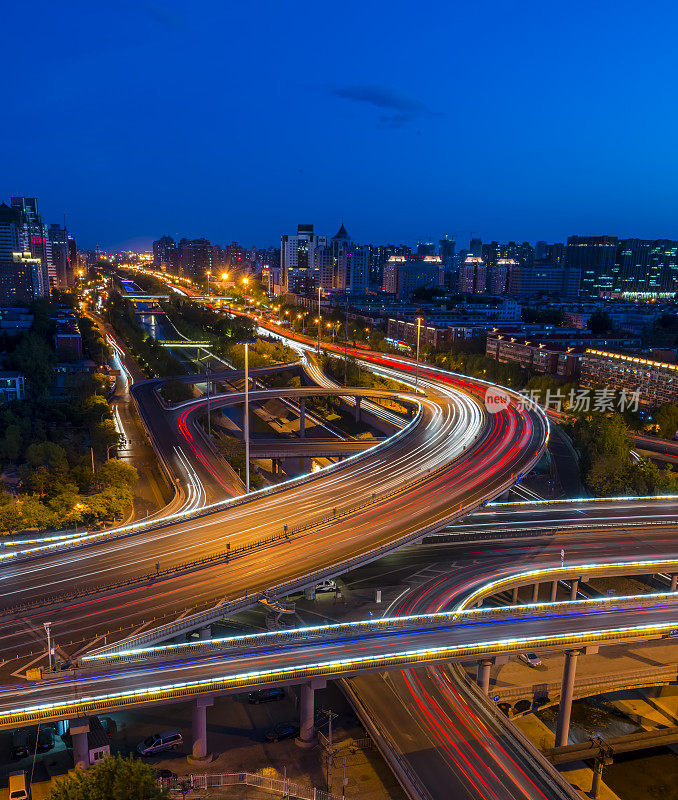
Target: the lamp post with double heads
(416, 380)
(49, 643)
(320, 319)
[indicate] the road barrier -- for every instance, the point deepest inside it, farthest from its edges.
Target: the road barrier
(282, 786)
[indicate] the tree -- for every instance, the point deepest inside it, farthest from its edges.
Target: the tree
(114, 778)
(34, 359)
(104, 435)
(667, 421)
(599, 322)
(116, 473)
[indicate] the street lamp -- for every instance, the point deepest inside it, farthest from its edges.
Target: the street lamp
(245, 284)
(208, 283)
(416, 382)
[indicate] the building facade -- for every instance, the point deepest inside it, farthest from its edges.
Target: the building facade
(656, 381)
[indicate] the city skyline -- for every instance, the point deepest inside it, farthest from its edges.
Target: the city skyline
(509, 123)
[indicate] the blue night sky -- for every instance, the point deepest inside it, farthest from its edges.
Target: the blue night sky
(517, 120)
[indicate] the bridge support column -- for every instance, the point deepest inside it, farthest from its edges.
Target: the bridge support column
(514, 596)
(200, 754)
(574, 588)
(484, 667)
(566, 692)
(357, 409)
(309, 593)
(674, 582)
(535, 592)
(307, 737)
(79, 728)
(554, 591)
(302, 418)
(205, 633)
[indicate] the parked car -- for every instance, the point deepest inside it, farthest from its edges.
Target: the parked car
(20, 746)
(285, 730)
(531, 659)
(165, 774)
(18, 786)
(45, 739)
(159, 742)
(109, 725)
(265, 695)
(326, 586)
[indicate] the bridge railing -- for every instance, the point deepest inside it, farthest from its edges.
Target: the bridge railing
(385, 626)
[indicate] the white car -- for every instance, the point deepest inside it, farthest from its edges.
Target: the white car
(531, 659)
(326, 586)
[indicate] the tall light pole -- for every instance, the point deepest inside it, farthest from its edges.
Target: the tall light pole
(246, 420)
(245, 284)
(49, 643)
(209, 416)
(320, 319)
(208, 284)
(416, 381)
(224, 278)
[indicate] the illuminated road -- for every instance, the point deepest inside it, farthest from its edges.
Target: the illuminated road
(470, 457)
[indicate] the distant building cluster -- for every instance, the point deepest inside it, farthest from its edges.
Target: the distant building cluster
(34, 256)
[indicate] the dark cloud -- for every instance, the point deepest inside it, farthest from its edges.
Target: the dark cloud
(402, 108)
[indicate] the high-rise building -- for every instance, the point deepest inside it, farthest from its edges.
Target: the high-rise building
(473, 276)
(33, 236)
(197, 257)
(595, 258)
(61, 256)
(426, 249)
(23, 277)
(476, 248)
(298, 261)
(647, 266)
(166, 254)
(403, 276)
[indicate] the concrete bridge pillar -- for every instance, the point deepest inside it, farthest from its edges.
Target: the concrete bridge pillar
(514, 596)
(307, 737)
(535, 592)
(309, 592)
(554, 591)
(357, 409)
(200, 754)
(566, 692)
(302, 418)
(205, 633)
(79, 728)
(574, 588)
(674, 582)
(484, 667)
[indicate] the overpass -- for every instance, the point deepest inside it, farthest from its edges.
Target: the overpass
(139, 676)
(308, 447)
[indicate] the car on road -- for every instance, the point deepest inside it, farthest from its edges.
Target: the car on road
(285, 730)
(531, 659)
(159, 742)
(265, 695)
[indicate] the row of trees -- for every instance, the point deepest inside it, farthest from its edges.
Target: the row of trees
(604, 442)
(54, 450)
